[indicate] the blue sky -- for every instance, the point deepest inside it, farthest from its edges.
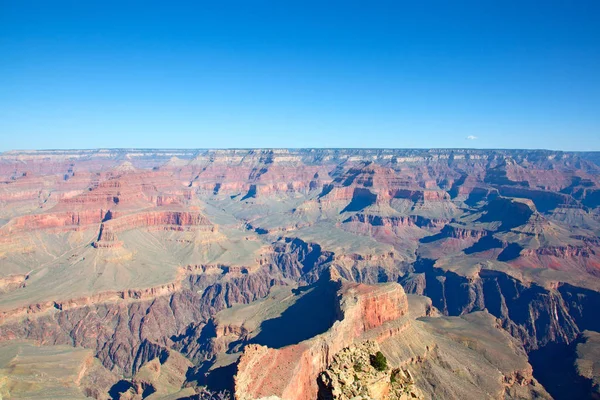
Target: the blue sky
(86, 74)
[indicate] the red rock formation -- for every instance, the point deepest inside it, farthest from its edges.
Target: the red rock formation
(560, 251)
(396, 221)
(464, 233)
(66, 220)
(158, 218)
(170, 220)
(291, 372)
(420, 195)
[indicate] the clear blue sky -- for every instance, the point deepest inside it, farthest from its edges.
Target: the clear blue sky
(283, 73)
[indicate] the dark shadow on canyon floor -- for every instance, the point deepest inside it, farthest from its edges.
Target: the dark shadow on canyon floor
(313, 313)
(217, 379)
(118, 388)
(553, 366)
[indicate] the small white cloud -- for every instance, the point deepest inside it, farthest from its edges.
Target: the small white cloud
(471, 137)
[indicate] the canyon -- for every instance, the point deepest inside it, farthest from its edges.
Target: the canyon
(271, 273)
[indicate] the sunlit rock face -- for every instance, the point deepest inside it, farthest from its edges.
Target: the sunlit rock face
(365, 311)
(142, 256)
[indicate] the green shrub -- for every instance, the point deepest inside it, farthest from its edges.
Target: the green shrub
(378, 361)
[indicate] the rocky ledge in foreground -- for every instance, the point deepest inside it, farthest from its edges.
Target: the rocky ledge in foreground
(361, 370)
(291, 372)
(427, 355)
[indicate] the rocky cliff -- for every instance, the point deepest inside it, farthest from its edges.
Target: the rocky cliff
(351, 374)
(291, 372)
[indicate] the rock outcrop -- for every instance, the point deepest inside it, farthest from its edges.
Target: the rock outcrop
(291, 372)
(351, 375)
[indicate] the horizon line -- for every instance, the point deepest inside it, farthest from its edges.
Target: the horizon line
(293, 148)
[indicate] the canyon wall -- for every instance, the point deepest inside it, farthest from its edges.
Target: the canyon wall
(291, 372)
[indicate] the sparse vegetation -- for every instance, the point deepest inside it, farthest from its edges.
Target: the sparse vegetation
(357, 367)
(378, 361)
(206, 394)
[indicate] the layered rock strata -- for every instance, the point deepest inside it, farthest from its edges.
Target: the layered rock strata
(291, 372)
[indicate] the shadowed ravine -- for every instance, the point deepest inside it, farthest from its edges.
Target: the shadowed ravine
(554, 367)
(313, 313)
(551, 343)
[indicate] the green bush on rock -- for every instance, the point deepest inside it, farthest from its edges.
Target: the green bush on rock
(378, 361)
